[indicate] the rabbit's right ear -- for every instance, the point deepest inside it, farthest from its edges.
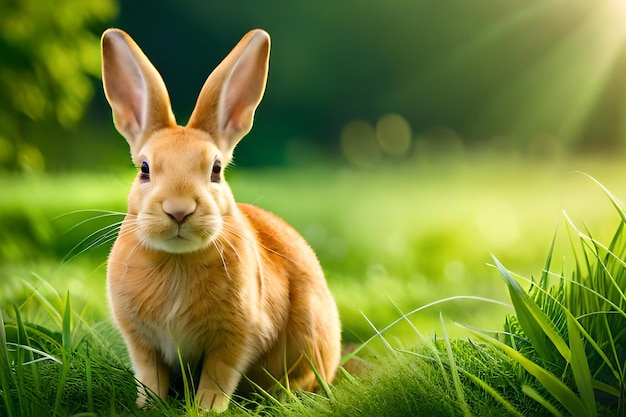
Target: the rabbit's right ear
(134, 89)
(227, 102)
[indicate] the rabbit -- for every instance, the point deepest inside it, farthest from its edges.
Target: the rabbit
(194, 277)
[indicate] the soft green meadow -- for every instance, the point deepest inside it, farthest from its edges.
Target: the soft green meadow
(394, 237)
(407, 251)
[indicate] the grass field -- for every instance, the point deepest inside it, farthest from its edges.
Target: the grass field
(392, 240)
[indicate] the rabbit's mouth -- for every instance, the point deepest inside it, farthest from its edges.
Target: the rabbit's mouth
(180, 241)
(178, 244)
(178, 238)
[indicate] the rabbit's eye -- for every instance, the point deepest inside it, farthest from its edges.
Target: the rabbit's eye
(216, 171)
(145, 171)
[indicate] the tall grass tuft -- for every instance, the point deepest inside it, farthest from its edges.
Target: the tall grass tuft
(564, 349)
(569, 333)
(62, 368)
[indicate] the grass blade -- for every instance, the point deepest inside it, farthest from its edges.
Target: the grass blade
(427, 342)
(494, 393)
(324, 386)
(532, 393)
(67, 325)
(606, 388)
(580, 367)
(5, 370)
(43, 300)
(482, 384)
(458, 386)
(554, 385)
(616, 203)
(403, 317)
(66, 349)
(535, 323)
(44, 356)
(89, 378)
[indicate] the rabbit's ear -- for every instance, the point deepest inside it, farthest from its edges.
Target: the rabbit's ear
(231, 94)
(134, 89)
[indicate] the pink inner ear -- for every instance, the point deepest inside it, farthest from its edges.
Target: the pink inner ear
(242, 91)
(138, 99)
(231, 111)
(129, 113)
(231, 93)
(241, 119)
(125, 86)
(135, 85)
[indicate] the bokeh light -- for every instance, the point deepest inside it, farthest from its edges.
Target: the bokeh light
(394, 134)
(359, 144)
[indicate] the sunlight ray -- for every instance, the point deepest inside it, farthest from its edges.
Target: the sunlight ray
(457, 59)
(567, 82)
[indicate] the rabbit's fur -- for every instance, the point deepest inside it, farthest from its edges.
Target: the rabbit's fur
(229, 287)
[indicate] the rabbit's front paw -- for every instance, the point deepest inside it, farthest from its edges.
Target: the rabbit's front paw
(213, 400)
(142, 398)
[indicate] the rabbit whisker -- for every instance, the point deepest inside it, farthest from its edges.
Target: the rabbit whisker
(107, 234)
(220, 250)
(113, 233)
(101, 216)
(227, 241)
(106, 212)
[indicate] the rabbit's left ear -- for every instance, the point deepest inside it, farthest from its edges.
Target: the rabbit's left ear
(134, 89)
(226, 105)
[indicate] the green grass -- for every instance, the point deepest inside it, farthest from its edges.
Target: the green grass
(393, 243)
(575, 329)
(404, 236)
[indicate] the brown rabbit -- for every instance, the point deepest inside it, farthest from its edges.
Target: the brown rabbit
(229, 287)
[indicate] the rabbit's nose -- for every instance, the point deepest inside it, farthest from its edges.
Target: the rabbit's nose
(179, 209)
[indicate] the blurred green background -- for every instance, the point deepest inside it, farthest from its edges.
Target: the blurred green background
(406, 140)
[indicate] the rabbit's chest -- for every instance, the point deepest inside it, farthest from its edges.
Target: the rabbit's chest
(186, 316)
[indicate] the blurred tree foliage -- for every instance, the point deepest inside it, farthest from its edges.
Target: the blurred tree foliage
(537, 75)
(49, 53)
